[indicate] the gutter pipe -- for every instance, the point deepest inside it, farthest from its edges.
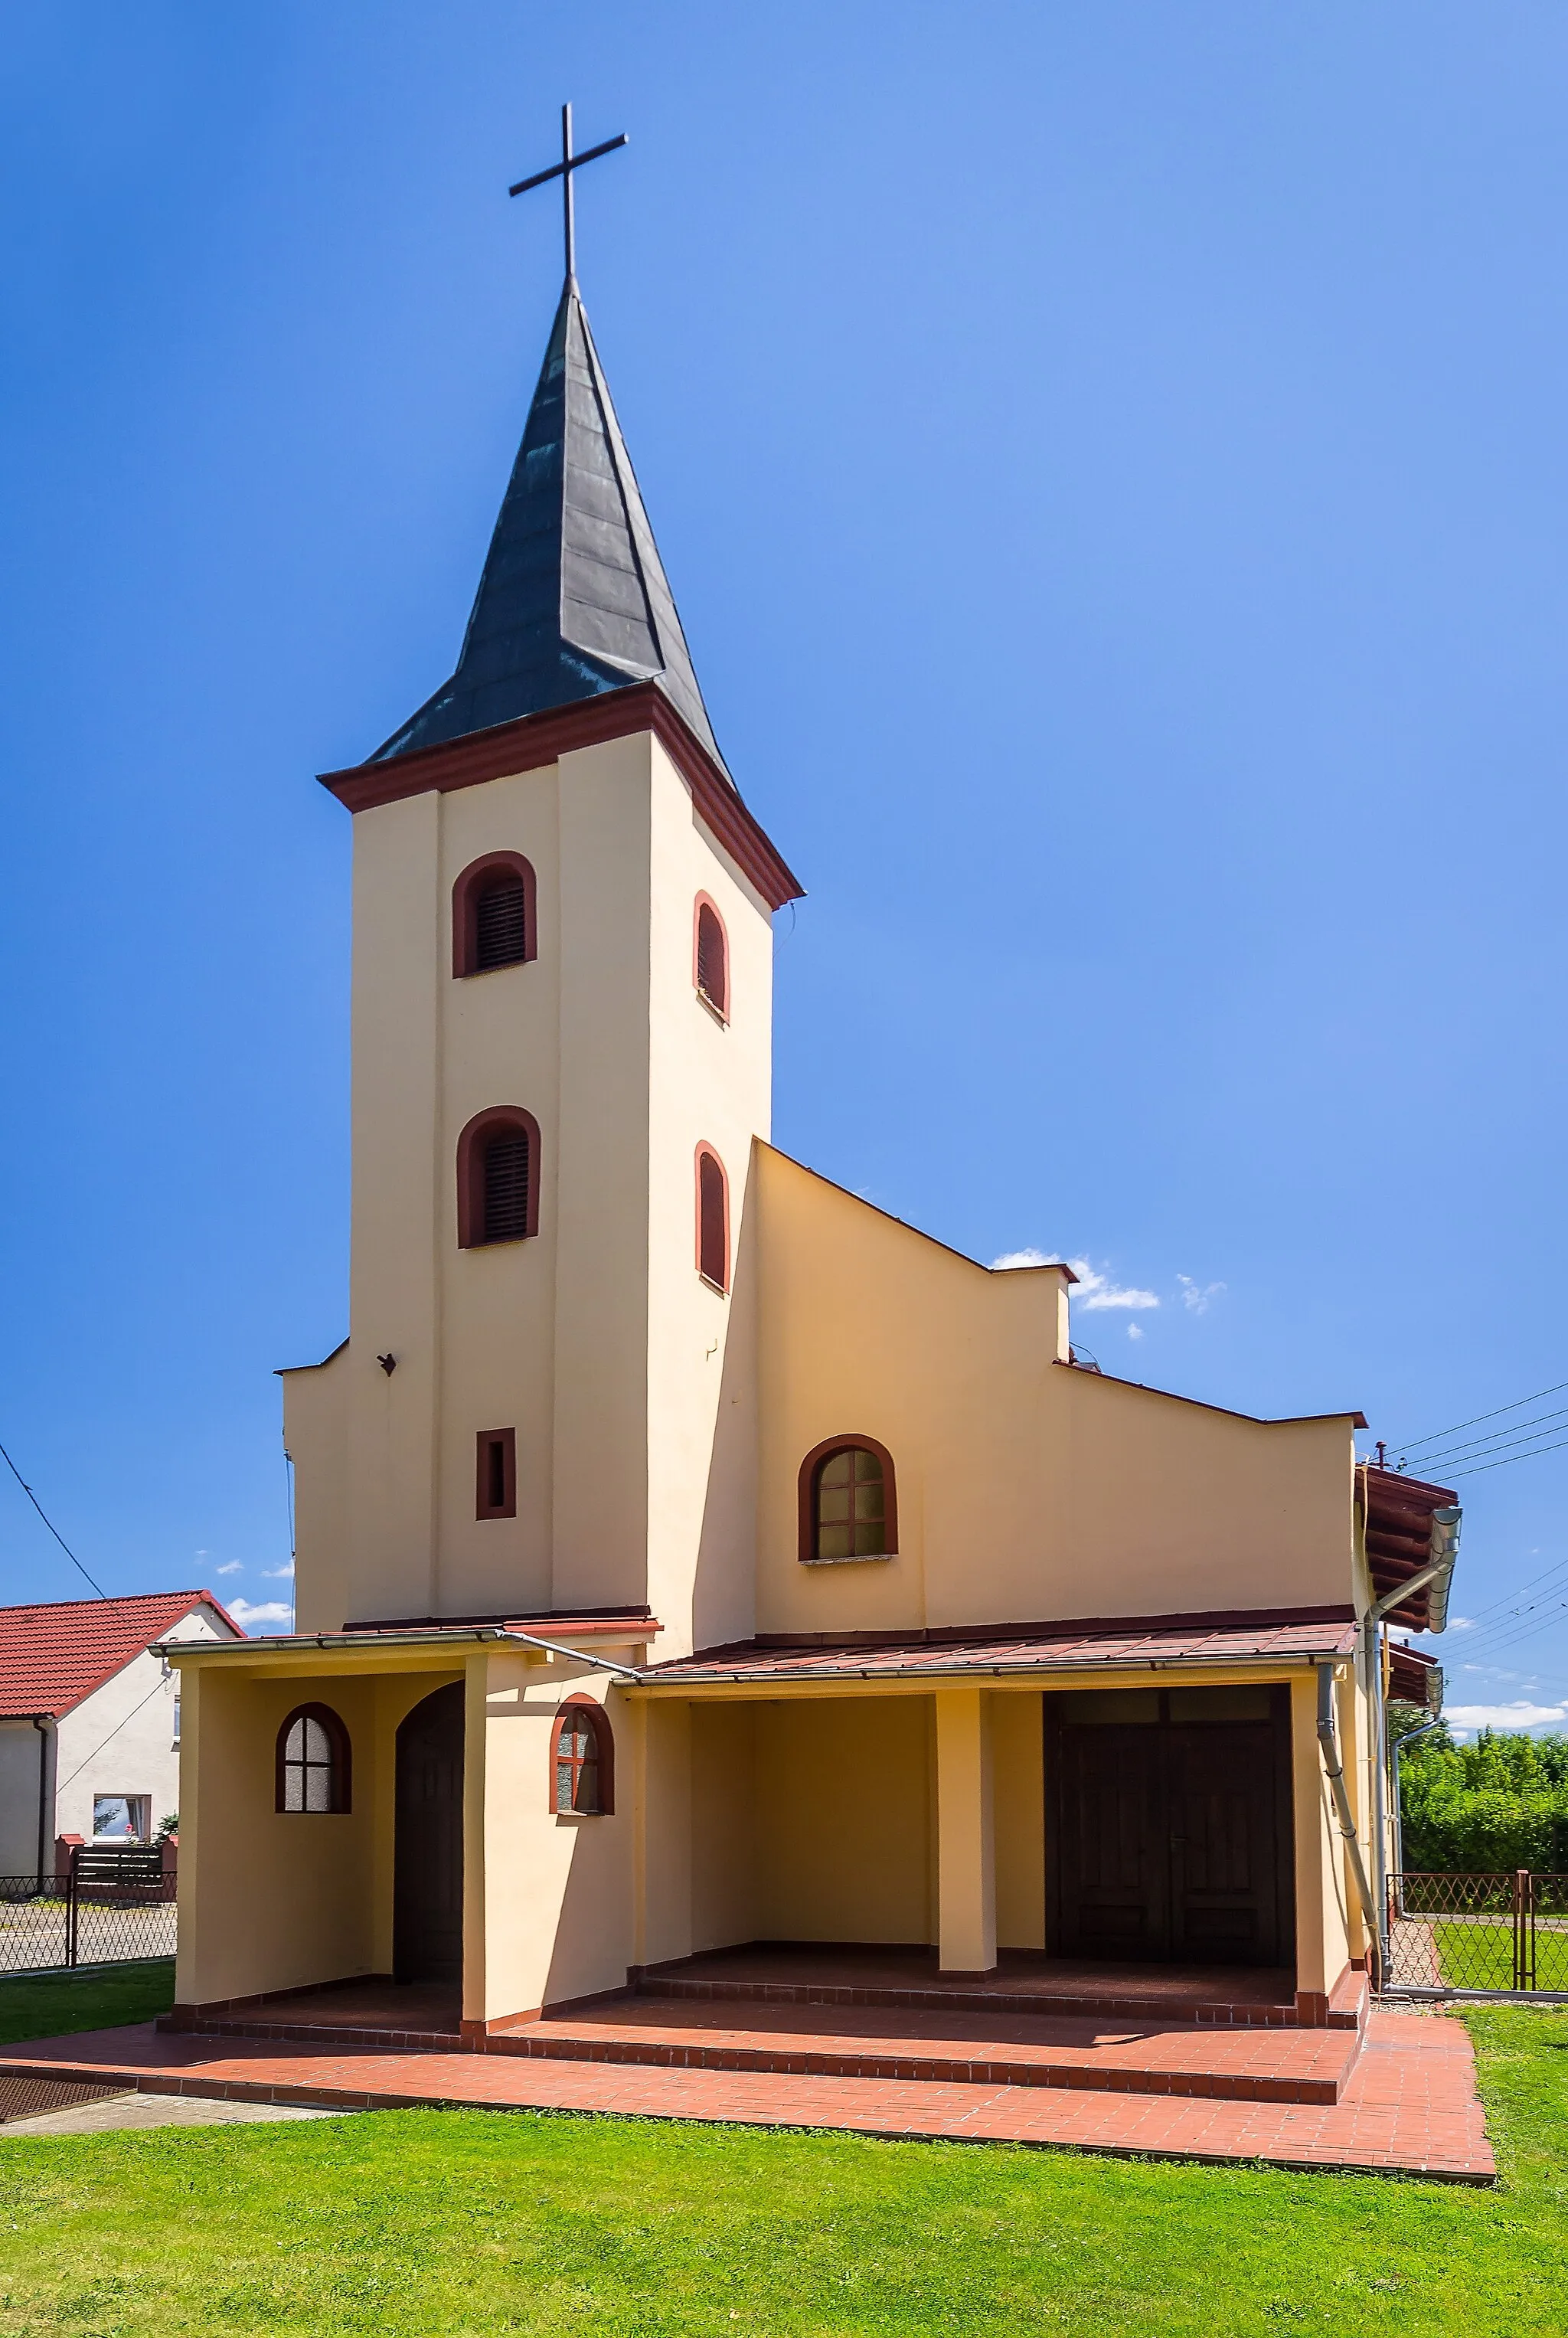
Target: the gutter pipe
(491, 1633)
(1327, 1738)
(41, 1722)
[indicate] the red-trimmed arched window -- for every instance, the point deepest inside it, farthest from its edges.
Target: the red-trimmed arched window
(498, 1178)
(493, 914)
(848, 1502)
(712, 1219)
(583, 1761)
(314, 1761)
(711, 957)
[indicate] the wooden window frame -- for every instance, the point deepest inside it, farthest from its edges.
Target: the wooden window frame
(605, 1744)
(808, 1501)
(718, 1006)
(342, 1769)
(508, 1440)
(706, 1152)
(465, 895)
(471, 1143)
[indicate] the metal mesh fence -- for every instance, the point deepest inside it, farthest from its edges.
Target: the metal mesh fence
(1478, 1933)
(112, 1916)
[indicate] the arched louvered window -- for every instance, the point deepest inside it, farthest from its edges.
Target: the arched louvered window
(712, 1219)
(583, 1761)
(493, 914)
(313, 1763)
(498, 1178)
(849, 1507)
(711, 957)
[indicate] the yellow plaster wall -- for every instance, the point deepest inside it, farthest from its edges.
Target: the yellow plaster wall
(1018, 1798)
(558, 1917)
(724, 1825)
(271, 1901)
(843, 1819)
(1027, 1491)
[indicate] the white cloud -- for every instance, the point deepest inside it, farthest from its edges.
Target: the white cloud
(230, 1566)
(1197, 1295)
(1135, 1330)
(284, 1574)
(1461, 1623)
(1095, 1290)
(1520, 1715)
(267, 1611)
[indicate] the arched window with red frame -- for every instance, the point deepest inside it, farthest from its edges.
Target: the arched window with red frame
(498, 1168)
(582, 1761)
(493, 914)
(711, 957)
(848, 1502)
(313, 1764)
(712, 1219)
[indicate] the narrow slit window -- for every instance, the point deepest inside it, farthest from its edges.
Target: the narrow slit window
(496, 1488)
(712, 1220)
(713, 959)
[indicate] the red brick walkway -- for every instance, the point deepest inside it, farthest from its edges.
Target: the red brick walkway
(1410, 2104)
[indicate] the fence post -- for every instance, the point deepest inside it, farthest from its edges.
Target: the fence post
(1521, 1959)
(71, 1905)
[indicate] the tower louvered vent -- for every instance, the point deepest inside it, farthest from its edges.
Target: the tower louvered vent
(501, 926)
(506, 1173)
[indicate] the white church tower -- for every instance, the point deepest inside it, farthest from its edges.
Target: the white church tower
(546, 1406)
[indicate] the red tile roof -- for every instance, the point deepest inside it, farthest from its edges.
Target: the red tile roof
(1127, 1650)
(55, 1655)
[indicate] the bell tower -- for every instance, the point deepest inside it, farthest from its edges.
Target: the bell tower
(561, 1054)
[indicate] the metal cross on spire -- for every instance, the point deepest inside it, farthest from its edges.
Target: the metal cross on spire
(562, 170)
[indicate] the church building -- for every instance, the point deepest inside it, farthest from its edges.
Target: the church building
(693, 1561)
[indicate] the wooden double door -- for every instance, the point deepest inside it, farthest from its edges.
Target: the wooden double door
(1169, 1832)
(427, 1864)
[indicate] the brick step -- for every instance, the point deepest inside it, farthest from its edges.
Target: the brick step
(1096, 2004)
(987, 2047)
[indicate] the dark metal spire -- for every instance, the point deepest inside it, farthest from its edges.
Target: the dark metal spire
(574, 599)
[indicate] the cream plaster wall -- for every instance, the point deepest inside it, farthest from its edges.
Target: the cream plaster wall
(1027, 1491)
(844, 1824)
(598, 1343)
(1018, 1798)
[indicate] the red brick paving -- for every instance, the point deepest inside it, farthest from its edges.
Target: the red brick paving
(1410, 2105)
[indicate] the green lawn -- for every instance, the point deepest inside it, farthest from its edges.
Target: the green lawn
(413, 2223)
(46, 2005)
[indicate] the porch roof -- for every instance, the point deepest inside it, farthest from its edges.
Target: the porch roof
(1006, 1649)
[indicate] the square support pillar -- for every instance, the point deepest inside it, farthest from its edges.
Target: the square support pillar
(966, 1853)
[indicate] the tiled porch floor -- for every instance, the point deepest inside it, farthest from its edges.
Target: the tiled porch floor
(1410, 2104)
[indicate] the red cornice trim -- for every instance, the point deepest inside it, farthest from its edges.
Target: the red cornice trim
(536, 740)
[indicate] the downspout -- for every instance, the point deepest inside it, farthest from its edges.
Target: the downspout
(1329, 1739)
(41, 1722)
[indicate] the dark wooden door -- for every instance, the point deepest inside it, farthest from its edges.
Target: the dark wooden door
(1169, 1841)
(427, 1875)
(1227, 1881)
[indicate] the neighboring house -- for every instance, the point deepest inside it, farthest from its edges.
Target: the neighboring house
(90, 1719)
(688, 1553)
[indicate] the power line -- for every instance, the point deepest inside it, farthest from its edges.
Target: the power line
(54, 1529)
(1479, 1448)
(1475, 1467)
(1495, 1436)
(1410, 1444)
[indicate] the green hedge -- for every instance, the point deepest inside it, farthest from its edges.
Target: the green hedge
(1485, 1808)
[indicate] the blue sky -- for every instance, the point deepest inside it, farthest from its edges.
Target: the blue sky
(1113, 469)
